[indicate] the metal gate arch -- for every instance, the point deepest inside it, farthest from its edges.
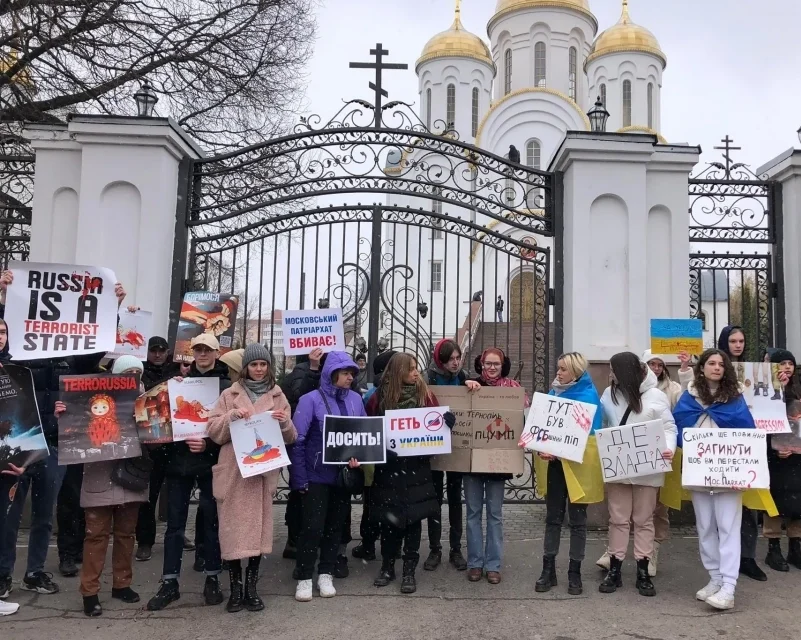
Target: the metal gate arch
(424, 245)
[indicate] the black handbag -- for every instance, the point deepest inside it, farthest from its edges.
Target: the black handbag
(133, 474)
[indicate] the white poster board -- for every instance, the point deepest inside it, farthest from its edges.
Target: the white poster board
(258, 445)
(191, 402)
(725, 458)
(59, 310)
(558, 426)
(764, 395)
(632, 450)
(133, 333)
(418, 432)
(304, 331)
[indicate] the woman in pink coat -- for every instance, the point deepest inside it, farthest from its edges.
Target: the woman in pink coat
(246, 504)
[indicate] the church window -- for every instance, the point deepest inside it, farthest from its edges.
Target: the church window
(436, 275)
(507, 72)
(428, 109)
(533, 160)
(474, 127)
(650, 105)
(539, 65)
(603, 94)
(627, 103)
(451, 113)
(573, 73)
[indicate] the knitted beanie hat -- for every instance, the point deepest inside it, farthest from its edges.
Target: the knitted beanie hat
(123, 363)
(253, 352)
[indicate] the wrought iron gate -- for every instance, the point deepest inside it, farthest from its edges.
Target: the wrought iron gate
(415, 234)
(731, 207)
(16, 192)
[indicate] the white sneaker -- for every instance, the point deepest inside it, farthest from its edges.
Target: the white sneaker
(303, 592)
(652, 561)
(708, 591)
(723, 599)
(604, 562)
(7, 608)
(325, 583)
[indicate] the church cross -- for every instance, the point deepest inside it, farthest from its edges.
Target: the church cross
(727, 149)
(379, 65)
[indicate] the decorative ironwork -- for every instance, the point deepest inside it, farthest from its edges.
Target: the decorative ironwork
(16, 193)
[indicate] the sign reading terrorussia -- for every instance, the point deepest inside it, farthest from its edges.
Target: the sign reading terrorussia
(304, 331)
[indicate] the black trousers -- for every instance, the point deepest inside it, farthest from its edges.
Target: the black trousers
(409, 538)
(293, 518)
(749, 532)
(324, 512)
(69, 515)
(146, 524)
(557, 502)
(369, 528)
(454, 492)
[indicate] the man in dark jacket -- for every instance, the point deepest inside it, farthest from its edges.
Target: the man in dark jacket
(190, 462)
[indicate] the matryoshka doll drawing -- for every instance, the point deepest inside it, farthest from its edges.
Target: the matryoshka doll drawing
(103, 425)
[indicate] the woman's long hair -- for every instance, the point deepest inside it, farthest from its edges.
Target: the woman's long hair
(629, 373)
(269, 377)
(728, 387)
(391, 386)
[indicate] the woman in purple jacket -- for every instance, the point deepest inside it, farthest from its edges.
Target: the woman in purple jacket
(325, 503)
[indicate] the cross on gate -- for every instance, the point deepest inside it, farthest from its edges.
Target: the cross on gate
(379, 65)
(727, 149)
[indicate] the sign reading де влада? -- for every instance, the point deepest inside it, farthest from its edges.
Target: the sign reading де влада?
(632, 450)
(672, 336)
(725, 459)
(304, 331)
(418, 432)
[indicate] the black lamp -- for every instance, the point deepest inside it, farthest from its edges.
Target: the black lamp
(146, 100)
(598, 116)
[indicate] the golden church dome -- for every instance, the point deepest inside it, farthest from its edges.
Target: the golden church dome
(626, 36)
(505, 7)
(456, 42)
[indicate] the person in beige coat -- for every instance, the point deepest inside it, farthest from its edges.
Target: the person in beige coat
(246, 504)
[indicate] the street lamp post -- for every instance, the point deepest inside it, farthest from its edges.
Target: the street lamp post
(146, 100)
(598, 116)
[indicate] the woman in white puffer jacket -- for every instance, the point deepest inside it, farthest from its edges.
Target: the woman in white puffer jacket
(632, 398)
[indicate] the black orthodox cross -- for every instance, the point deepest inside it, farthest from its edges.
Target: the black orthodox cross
(727, 149)
(379, 65)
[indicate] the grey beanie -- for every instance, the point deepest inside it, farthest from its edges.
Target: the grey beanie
(253, 352)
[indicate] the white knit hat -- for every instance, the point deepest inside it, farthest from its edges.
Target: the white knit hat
(123, 363)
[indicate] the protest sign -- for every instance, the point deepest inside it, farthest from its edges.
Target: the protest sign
(764, 395)
(725, 458)
(99, 421)
(632, 450)
(558, 426)
(191, 402)
(418, 432)
(22, 440)
(361, 438)
(489, 423)
(258, 445)
(133, 332)
(58, 310)
(790, 442)
(205, 312)
(672, 336)
(153, 417)
(304, 331)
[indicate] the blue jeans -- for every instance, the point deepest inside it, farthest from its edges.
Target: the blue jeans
(179, 492)
(478, 491)
(46, 477)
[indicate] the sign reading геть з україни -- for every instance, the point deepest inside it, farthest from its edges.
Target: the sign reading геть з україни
(418, 432)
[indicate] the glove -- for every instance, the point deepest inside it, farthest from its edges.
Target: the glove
(450, 419)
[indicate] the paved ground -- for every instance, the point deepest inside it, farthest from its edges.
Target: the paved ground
(446, 606)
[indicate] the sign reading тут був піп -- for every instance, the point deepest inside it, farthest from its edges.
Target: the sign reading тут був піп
(558, 426)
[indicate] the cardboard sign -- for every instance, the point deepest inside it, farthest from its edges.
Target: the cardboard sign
(191, 402)
(790, 442)
(99, 422)
(22, 440)
(305, 331)
(488, 426)
(133, 332)
(725, 458)
(153, 416)
(558, 426)
(361, 438)
(258, 445)
(672, 336)
(632, 450)
(58, 310)
(418, 432)
(764, 395)
(205, 312)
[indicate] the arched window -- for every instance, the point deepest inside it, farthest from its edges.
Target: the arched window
(436, 207)
(507, 72)
(533, 160)
(650, 105)
(474, 126)
(428, 108)
(627, 103)
(450, 116)
(603, 94)
(539, 65)
(573, 74)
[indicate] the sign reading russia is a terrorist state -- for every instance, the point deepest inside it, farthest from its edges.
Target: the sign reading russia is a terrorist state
(304, 331)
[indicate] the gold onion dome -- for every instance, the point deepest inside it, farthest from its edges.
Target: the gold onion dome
(508, 6)
(626, 36)
(456, 42)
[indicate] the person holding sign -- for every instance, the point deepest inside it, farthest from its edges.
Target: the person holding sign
(714, 399)
(633, 397)
(574, 383)
(246, 504)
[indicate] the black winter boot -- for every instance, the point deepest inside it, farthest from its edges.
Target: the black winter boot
(212, 594)
(252, 600)
(548, 575)
(235, 600)
(387, 573)
(574, 586)
(408, 583)
(644, 584)
(613, 579)
(794, 554)
(775, 560)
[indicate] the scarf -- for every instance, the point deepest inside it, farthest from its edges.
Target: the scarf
(499, 382)
(408, 397)
(254, 389)
(729, 415)
(559, 388)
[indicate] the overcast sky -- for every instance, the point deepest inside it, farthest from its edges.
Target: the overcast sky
(733, 65)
